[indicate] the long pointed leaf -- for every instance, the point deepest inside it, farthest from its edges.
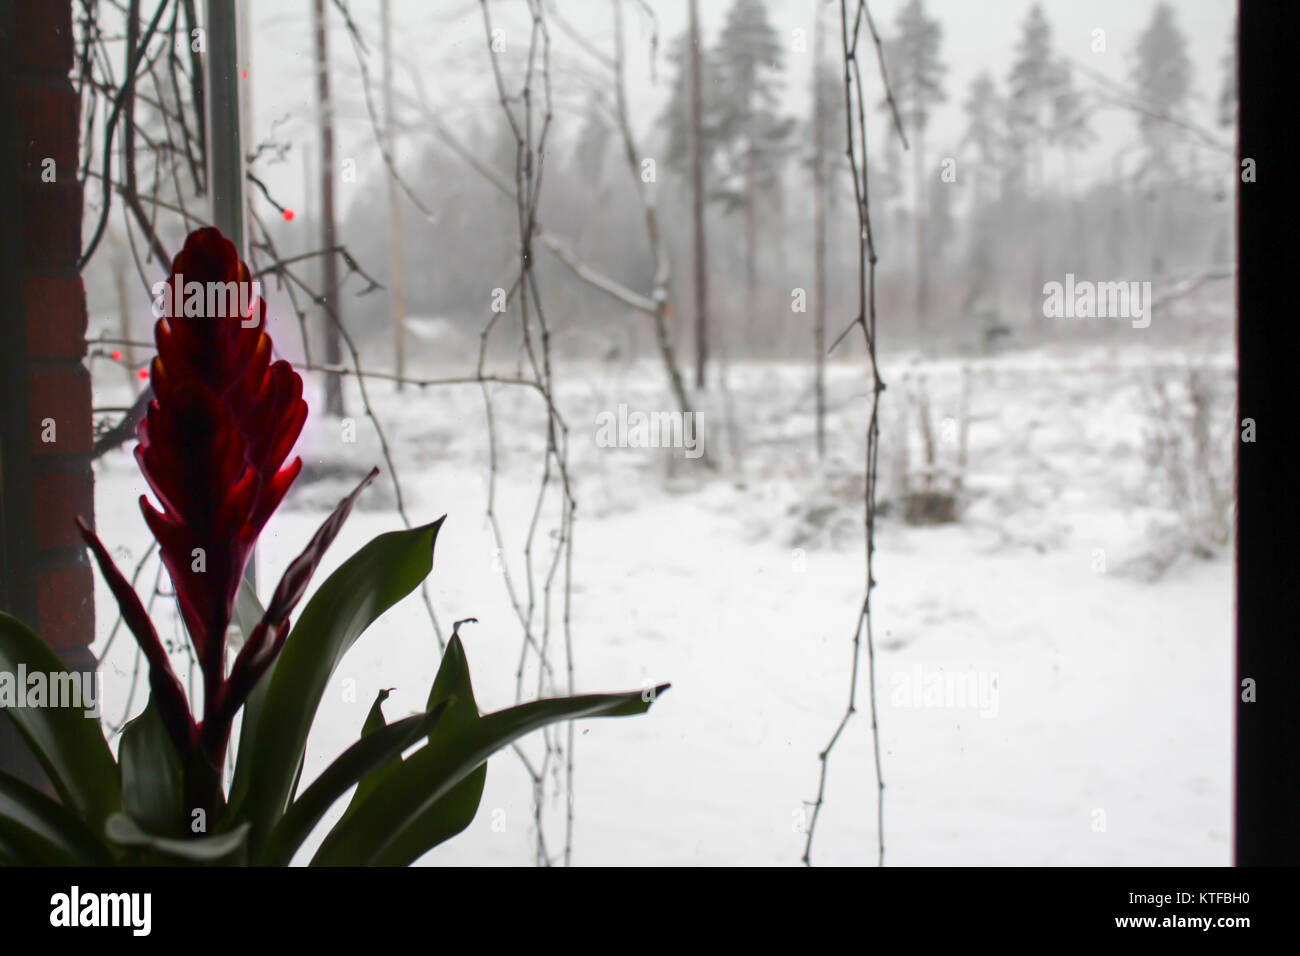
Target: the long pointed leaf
(374, 722)
(69, 745)
(452, 682)
(361, 758)
(262, 646)
(152, 778)
(364, 587)
(37, 831)
(456, 810)
(248, 612)
(211, 849)
(374, 833)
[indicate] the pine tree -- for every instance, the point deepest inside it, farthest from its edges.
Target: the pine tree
(986, 134)
(1070, 128)
(916, 73)
(748, 63)
(1162, 77)
(690, 148)
(1162, 74)
(1031, 84)
(985, 112)
(676, 116)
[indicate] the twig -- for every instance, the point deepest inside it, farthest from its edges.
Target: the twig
(866, 319)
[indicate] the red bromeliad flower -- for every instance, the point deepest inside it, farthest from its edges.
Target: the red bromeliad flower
(212, 447)
(212, 444)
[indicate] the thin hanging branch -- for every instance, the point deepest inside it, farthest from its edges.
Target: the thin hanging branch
(856, 151)
(528, 113)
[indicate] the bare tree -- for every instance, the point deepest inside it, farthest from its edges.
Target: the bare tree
(663, 271)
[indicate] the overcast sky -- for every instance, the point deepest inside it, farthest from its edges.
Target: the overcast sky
(445, 41)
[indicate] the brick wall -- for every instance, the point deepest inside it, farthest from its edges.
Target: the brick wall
(45, 422)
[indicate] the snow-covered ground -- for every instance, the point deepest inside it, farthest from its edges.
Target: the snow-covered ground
(1098, 730)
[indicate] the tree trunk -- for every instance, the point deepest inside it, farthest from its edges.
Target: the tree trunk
(1036, 279)
(751, 235)
(330, 268)
(921, 211)
(397, 291)
(819, 240)
(661, 295)
(697, 208)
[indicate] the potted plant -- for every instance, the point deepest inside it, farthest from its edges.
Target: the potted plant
(213, 447)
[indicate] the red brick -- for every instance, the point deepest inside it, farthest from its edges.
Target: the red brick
(51, 224)
(43, 35)
(56, 317)
(47, 128)
(60, 497)
(65, 606)
(63, 394)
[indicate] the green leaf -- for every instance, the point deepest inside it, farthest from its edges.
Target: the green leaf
(36, 831)
(250, 615)
(69, 745)
(248, 611)
(363, 588)
(454, 812)
(387, 828)
(457, 809)
(152, 778)
(448, 816)
(374, 722)
(371, 751)
(209, 849)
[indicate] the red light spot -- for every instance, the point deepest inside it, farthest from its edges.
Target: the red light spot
(142, 374)
(243, 74)
(288, 215)
(115, 355)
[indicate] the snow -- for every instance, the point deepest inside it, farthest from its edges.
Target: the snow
(1106, 738)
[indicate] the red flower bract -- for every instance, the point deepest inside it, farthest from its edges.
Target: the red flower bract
(212, 444)
(212, 447)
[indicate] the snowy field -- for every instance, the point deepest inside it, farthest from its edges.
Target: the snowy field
(1053, 676)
